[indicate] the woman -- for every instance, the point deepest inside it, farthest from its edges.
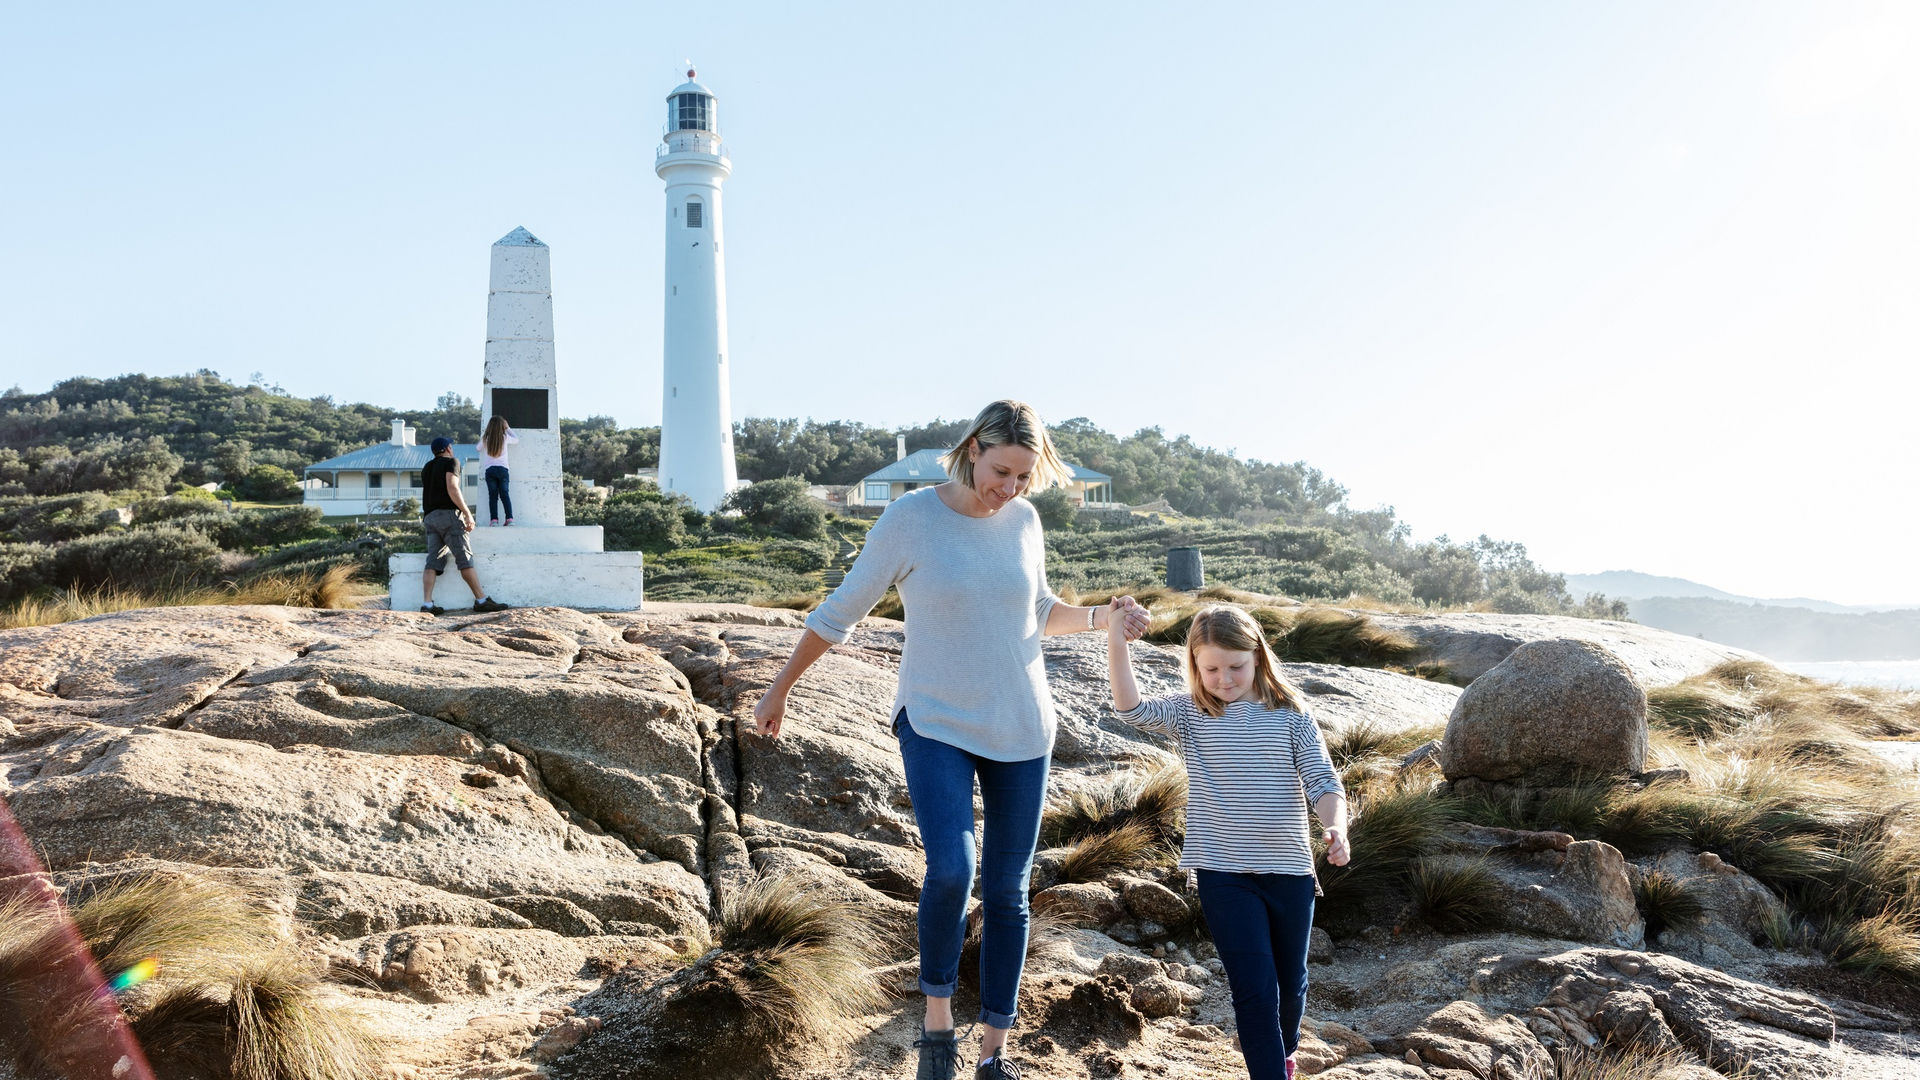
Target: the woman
(970, 563)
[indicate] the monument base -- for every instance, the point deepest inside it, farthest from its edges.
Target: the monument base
(589, 580)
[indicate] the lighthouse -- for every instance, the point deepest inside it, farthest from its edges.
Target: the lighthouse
(696, 421)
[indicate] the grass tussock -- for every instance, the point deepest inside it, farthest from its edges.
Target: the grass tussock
(1667, 903)
(1129, 846)
(805, 957)
(1367, 741)
(1633, 1063)
(792, 601)
(1154, 801)
(1308, 635)
(1453, 894)
(1393, 822)
(225, 997)
(334, 587)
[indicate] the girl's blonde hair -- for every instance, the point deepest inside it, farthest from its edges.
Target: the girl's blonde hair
(1234, 630)
(496, 436)
(1009, 423)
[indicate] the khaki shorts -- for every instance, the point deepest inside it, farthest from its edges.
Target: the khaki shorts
(447, 533)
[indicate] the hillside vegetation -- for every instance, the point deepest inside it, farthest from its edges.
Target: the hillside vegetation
(96, 475)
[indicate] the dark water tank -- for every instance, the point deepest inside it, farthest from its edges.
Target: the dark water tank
(1183, 569)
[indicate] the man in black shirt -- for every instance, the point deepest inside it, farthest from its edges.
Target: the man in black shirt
(448, 521)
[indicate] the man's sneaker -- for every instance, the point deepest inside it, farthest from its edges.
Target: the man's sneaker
(939, 1055)
(490, 604)
(433, 609)
(997, 1068)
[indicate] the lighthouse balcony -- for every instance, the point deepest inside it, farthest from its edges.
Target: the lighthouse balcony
(691, 142)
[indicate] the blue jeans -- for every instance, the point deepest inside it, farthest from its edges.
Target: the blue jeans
(940, 779)
(1259, 923)
(497, 492)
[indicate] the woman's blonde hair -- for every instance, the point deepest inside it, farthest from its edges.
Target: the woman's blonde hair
(1009, 423)
(1234, 630)
(496, 436)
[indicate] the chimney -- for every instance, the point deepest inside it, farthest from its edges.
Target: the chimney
(900, 448)
(400, 433)
(408, 433)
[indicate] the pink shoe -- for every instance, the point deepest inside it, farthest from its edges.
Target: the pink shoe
(495, 521)
(509, 521)
(1289, 1067)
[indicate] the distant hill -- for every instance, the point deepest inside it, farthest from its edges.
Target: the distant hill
(1786, 633)
(1633, 585)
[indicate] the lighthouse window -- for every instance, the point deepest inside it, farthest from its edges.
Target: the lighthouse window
(693, 214)
(692, 113)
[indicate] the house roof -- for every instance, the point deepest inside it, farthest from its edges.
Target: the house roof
(924, 466)
(386, 457)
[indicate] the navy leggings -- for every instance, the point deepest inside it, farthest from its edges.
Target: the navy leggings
(1259, 924)
(497, 491)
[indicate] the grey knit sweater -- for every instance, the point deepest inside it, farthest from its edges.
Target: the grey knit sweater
(976, 595)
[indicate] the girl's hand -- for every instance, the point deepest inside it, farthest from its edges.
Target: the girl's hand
(1117, 619)
(1138, 617)
(1337, 850)
(769, 713)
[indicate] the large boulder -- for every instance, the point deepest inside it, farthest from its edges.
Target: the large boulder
(1552, 712)
(1553, 885)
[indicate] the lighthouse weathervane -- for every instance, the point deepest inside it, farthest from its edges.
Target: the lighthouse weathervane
(696, 421)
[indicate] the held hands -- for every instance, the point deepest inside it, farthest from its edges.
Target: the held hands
(1338, 852)
(1127, 619)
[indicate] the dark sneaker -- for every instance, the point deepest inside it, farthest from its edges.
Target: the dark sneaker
(433, 609)
(490, 604)
(939, 1055)
(997, 1068)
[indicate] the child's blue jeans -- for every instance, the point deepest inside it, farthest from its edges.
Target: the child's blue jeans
(497, 491)
(1259, 923)
(940, 779)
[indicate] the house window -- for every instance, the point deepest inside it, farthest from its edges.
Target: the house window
(373, 479)
(413, 479)
(693, 213)
(877, 491)
(472, 480)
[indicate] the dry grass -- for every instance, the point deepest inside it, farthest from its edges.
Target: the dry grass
(227, 998)
(1154, 801)
(1634, 1063)
(1130, 846)
(806, 601)
(1367, 741)
(808, 957)
(332, 588)
(1394, 821)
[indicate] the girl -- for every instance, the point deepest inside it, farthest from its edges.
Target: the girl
(493, 459)
(1254, 758)
(970, 564)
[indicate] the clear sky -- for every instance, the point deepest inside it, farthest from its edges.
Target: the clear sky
(1637, 284)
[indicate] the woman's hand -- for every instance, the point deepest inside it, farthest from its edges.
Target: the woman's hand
(769, 713)
(1338, 852)
(1129, 617)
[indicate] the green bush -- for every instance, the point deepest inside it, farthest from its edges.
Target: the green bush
(175, 506)
(24, 570)
(644, 520)
(143, 558)
(1055, 508)
(255, 528)
(266, 483)
(780, 506)
(54, 519)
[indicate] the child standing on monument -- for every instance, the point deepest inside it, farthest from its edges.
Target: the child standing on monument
(493, 463)
(1254, 759)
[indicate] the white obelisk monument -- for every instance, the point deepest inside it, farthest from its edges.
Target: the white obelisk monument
(696, 421)
(540, 559)
(520, 380)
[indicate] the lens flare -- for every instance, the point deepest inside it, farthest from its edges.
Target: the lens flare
(135, 975)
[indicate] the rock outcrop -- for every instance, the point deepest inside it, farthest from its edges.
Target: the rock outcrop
(1470, 645)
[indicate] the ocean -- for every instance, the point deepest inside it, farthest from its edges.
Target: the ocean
(1899, 674)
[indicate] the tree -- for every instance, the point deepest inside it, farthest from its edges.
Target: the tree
(232, 458)
(267, 483)
(1055, 507)
(780, 506)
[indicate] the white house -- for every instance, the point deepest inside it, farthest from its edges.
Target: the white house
(371, 479)
(1089, 489)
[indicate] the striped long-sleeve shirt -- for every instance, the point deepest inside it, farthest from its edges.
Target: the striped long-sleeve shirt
(1251, 772)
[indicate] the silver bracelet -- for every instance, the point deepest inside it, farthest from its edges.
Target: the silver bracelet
(1090, 612)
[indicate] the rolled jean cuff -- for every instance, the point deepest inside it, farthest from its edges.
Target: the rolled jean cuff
(992, 1019)
(931, 990)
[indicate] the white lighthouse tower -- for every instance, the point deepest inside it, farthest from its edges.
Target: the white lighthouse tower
(696, 421)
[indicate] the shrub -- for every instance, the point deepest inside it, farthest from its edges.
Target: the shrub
(643, 520)
(266, 483)
(144, 558)
(1055, 507)
(26, 569)
(55, 519)
(780, 506)
(258, 527)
